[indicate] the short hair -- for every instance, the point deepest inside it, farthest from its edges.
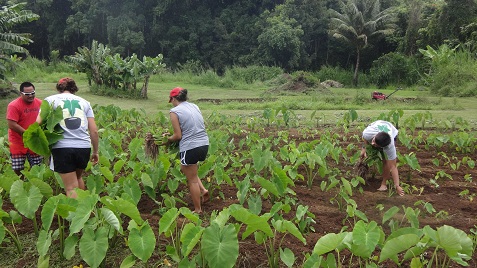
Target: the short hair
(182, 95)
(382, 139)
(67, 84)
(24, 85)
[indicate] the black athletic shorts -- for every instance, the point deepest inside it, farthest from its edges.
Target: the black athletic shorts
(193, 156)
(66, 160)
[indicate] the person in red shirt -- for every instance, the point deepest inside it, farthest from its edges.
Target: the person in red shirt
(21, 113)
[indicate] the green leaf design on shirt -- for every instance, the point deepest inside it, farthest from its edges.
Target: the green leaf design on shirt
(384, 128)
(71, 106)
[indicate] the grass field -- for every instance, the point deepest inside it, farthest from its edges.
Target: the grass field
(328, 105)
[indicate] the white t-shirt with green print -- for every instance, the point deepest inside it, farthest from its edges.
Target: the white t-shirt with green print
(382, 126)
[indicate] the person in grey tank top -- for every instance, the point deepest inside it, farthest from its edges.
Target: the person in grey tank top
(189, 129)
(382, 136)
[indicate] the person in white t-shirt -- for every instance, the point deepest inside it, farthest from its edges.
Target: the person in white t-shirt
(72, 153)
(382, 136)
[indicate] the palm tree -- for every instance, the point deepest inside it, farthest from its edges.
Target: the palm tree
(359, 20)
(11, 43)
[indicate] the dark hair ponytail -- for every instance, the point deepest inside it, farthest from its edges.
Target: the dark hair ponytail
(182, 95)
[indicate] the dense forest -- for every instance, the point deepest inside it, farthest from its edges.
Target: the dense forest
(216, 34)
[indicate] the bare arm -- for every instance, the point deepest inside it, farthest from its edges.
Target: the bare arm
(13, 125)
(93, 133)
(392, 165)
(177, 135)
(363, 148)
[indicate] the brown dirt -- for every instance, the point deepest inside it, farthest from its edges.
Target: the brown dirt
(451, 209)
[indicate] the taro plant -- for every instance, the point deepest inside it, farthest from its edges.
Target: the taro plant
(11, 217)
(267, 234)
(41, 137)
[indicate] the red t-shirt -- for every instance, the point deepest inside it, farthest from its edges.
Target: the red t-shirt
(24, 114)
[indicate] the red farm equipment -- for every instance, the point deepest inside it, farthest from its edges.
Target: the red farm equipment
(380, 96)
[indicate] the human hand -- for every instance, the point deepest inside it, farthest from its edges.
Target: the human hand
(94, 158)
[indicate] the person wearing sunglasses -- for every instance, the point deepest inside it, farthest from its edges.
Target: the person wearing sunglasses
(21, 113)
(381, 135)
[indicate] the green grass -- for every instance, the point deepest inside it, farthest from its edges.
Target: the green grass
(330, 104)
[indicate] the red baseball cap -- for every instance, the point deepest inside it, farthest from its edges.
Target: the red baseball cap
(174, 93)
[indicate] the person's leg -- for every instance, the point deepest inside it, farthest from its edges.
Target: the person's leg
(79, 177)
(190, 171)
(386, 173)
(204, 192)
(18, 163)
(70, 182)
(34, 159)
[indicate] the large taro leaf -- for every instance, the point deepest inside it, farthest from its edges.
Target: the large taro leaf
(365, 238)
(70, 247)
(456, 243)
(396, 245)
(48, 211)
(82, 213)
(93, 245)
(142, 241)
(190, 236)
(112, 219)
(168, 220)
(54, 119)
(26, 198)
(35, 139)
(254, 222)
(330, 242)
(220, 246)
(44, 242)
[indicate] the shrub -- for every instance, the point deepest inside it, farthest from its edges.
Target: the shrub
(335, 73)
(252, 74)
(394, 69)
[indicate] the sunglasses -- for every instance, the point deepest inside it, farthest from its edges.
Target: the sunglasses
(28, 93)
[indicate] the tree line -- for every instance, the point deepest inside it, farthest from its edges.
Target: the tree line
(217, 34)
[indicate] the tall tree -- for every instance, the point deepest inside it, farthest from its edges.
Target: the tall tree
(357, 22)
(11, 42)
(280, 42)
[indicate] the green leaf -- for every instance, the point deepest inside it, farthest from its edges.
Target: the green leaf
(45, 188)
(26, 201)
(330, 242)
(220, 246)
(43, 262)
(43, 243)
(287, 257)
(390, 213)
(111, 218)
(129, 209)
(142, 241)
(253, 222)
(365, 238)
(48, 212)
(35, 139)
(190, 236)
(2, 232)
(396, 245)
(128, 262)
(131, 187)
(94, 245)
(456, 243)
(167, 220)
(269, 186)
(54, 118)
(70, 247)
(82, 213)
